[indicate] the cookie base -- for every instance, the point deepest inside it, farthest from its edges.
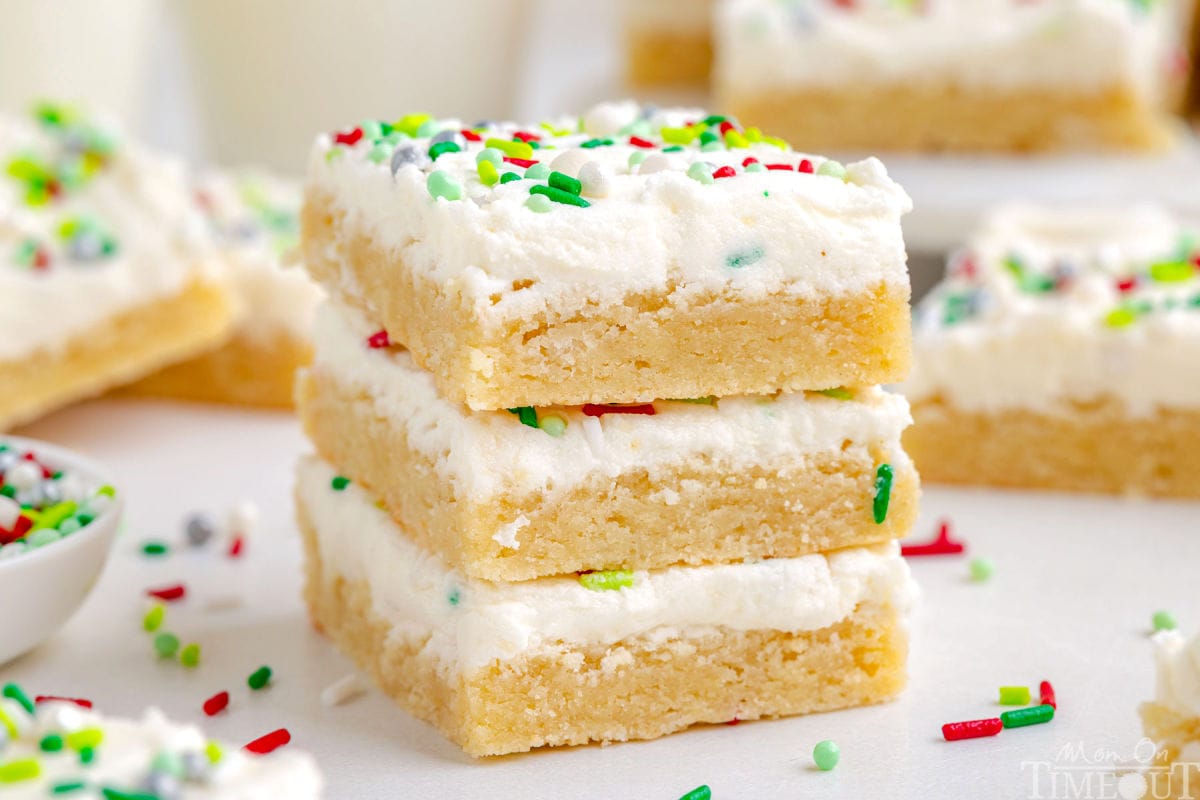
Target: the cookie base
(655, 58)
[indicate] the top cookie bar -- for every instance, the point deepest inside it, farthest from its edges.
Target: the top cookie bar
(631, 255)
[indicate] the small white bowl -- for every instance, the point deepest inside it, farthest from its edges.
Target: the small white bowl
(43, 588)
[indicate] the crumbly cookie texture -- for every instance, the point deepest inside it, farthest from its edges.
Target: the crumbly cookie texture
(667, 42)
(1070, 74)
(1078, 329)
(1172, 718)
(680, 646)
(60, 744)
(527, 492)
(629, 255)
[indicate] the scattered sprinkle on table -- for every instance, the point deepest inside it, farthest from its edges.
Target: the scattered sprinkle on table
(168, 594)
(259, 678)
(701, 792)
(826, 755)
(1034, 715)
(166, 645)
(154, 618)
(981, 569)
(189, 656)
(972, 729)
(1046, 696)
(216, 704)
(1163, 621)
(269, 742)
(1014, 695)
(154, 549)
(342, 690)
(942, 545)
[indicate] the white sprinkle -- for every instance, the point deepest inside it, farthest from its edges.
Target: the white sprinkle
(242, 518)
(506, 535)
(594, 435)
(224, 602)
(595, 180)
(342, 690)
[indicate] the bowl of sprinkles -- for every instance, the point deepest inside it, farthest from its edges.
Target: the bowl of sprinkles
(58, 516)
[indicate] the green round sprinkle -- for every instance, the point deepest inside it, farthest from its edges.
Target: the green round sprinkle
(699, 171)
(1121, 317)
(755, 167)
(606, 580)
(43, 537)
(70, 526)
(491, 155)
(1163, 621)
(213, 751)
(539, 203)
(189, 656)
(1034, 715)
(339, 483)
(538, 172)
(154, 549)
(883, 492)
(259, 678)
(553, 424)
(1014, 695)
(68, 787)
(16, 771)
(509, 177)
(981, 569)
(166, 644)
(106, 491)
(832, 169)
(826, 755)
(51, 743)
(636, 157)
(712, 147)
(87, 755)
(701, 792)
(15, 692)
(429, 127)
(167, 762)
(442, 185)
(154, 618)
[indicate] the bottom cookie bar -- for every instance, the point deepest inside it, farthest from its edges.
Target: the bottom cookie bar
(613, 656)
(1087, 447)
(125, 348)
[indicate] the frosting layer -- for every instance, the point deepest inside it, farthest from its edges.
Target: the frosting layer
(1177, 686)
(491, 452)
(1048, 306)
(468, 624)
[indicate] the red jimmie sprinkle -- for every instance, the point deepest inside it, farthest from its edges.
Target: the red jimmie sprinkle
(725, 172)
(348, 138)
(733, 721)
(806, 166)
(942, 545)
(216, 704)
(235, 547)
(526, 136)
(726, 127)
(973, 729)
(272, 741)
(470, 135)
(168, 593)
(748, 160)
(378, 339)
(53, 698)
(526, 163)
(1126, 284)
(778, 167)
(1047, 696)
(638, 141)
(594, 410)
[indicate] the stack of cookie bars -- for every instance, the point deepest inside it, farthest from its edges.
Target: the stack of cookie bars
(601, 448)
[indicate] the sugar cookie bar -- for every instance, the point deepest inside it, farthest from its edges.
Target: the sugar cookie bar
(628, 256)
(606, 656)
(104, 272)
(1060, 352)
(56, 747)
(543, 491)
(667, 42)
(939, 75)
(253, 220)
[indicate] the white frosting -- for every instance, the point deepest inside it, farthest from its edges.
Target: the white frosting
(486, 453)
(1177, 686)
(1083, 45)
(671, 16)
(649, 228)
(468, 624)
(986, 340)
(141, 200)
(124, 757)
(254, 219)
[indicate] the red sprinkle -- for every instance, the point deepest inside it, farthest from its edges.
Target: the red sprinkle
(235, 547)
(973, 729)
(806, 166)
(526, 136)
(378, 340)
(520, 162)
(53, 698)
(1127, 284)
(348, 138)
(638, 141)
(168, 593)
(216, 704)
(1047, 696)
(594, 410)
(272, 741)
(470, 135)
(748, 160)
(733, 721)
(725, 172)
(726, 127)
(781, 167)
(942, 545)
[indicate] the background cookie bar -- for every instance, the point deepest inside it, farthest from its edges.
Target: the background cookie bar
(628, 256)
(104, 272)
(1061, 352)
(505, 667)
(667, 42)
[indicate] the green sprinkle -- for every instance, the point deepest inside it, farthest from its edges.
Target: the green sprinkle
(1014, 695)
(488, 174)
(565, 183)
(699, 171)
(981, 569)
(512, 149)
(1172, 271)
(708, 137)
(527, 415)
(744, 258)
(15, 692)
(189, 656)
(755, 166)
(213, 751)
(154, 549)
(154, 618)
(54, 515)
(553, 424)
(111, 793)
(107, 491)
(538, 172)
(441, 148)
(673, 149)
(167, 762)
(736, 140)
(838, 393)
(67, 787)
(606, 580)
(491, 155)
(711, 400)
(826, 755)
(339, 483)
(560, 196)
(442, 185)
(85, 739)
(636, 158)
(1163, 621)
(166, 645)
(87, 755)
(701, 792)
(16, 771)
(883, 492)
(539, 204)
(259, 678)
(1035, 715)
(1121, 317)
(591, 144)
(832, 169)
(678, 136)
(454, 598)
(51, 743)
(509, 177)
(43, 537)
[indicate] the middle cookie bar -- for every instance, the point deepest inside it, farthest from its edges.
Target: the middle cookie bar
(516, 495)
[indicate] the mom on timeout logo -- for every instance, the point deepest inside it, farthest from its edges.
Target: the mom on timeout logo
(1079, 773)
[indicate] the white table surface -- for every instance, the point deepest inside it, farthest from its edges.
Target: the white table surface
(1075, 583)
